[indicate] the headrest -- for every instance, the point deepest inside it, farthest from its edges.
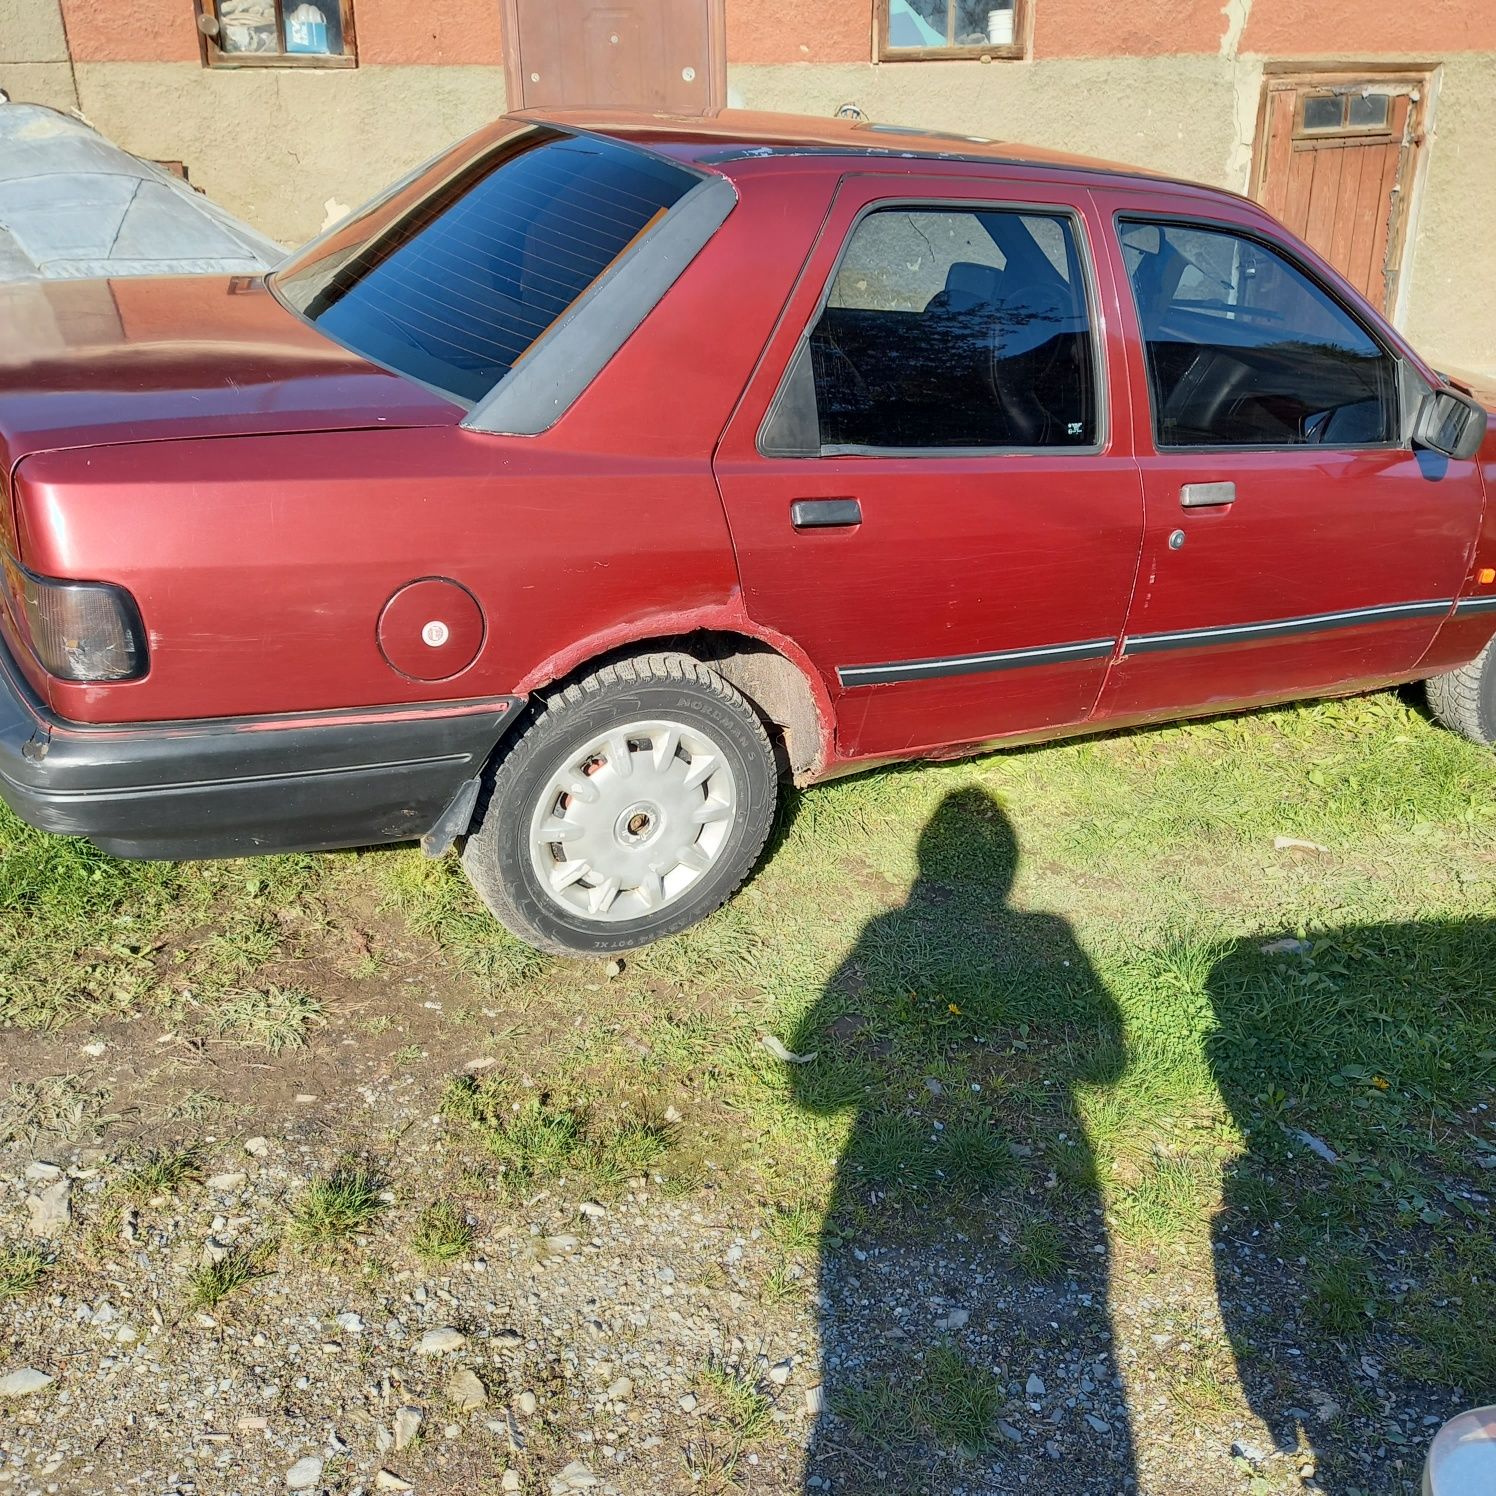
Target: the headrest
(968, 285)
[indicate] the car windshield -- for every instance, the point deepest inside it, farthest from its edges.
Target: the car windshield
(454, 275)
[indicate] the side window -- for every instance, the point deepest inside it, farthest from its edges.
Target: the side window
(947, 328)
(1245, 350)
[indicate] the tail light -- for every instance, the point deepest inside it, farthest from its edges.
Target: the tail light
(85, 631)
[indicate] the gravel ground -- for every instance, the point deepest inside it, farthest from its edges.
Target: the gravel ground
(573, 1347)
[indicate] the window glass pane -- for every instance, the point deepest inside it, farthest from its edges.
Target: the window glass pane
(1324, 112)
(917, 23)
(1245, 350)
(1368, 111)
(956, 329)
(247, 26)
(461, 283)
(314, 29)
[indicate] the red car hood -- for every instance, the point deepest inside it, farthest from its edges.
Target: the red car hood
(93, 363)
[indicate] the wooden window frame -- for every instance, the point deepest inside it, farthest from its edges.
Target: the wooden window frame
(1019, 48)
(1345, 130)
(213, 56)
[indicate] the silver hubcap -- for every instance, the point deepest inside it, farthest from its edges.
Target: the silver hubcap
(632, 821)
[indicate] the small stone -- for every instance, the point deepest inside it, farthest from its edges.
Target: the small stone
(387, 1480)
(509, 1481)
(407, 1426)
(525, 1403)
(258, 1147)
(348, 1320)
(933, 1086)
(1286, 948)
(955, 1320)
(126, 1334)
(614, 968)
(815, 1401)
(559, 1246)
(508, 1340)
(227, 1182)
(440, 1342)
(304, 1474)
(575, 1477)
(215, 1250)
(24, 1382)
(49, 1209)
(1009, 1433)
(252, 1424)
(1035, 1387)
(465, 1391)
(688, 1403)
(42, 1172)
(621, 1390)
(592, 1210)
(1099, 1424)
(779, 1374)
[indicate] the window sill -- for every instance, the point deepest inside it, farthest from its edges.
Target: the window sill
(1014, 53)
(231, 60)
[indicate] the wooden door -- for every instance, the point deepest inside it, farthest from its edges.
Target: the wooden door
(1335, 162)
(659, 56)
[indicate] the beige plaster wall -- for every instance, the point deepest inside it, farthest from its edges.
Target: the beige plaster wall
(34, 66)
(277, 146)
(1173, 114)
(1450, 304)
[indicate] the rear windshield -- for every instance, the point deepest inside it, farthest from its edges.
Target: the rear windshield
(451, 285)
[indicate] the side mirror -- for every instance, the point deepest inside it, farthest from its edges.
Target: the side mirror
(1462, 1458)
(1451, 423)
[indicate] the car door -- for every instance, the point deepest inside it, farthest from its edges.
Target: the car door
(923, 480)
(1295, 543)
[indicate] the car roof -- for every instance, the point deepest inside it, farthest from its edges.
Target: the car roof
(731, 137)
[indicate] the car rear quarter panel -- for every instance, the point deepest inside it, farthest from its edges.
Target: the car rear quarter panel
(261, 564)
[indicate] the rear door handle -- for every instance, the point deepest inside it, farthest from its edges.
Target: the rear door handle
(1207, 495)
(825, 514)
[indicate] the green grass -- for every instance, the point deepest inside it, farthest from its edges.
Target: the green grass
(732, 1395)
(943, 1401)
(213, 1282)
(162, 1172)
(331, 1210)
(272, 1018)
(22, 1267)
(536, 1139)
(1039, 1249)
(442, 1234)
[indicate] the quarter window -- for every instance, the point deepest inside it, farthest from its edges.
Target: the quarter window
(950, 329)
(1245, 350)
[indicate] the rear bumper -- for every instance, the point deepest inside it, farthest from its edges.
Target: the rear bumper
(247, 785)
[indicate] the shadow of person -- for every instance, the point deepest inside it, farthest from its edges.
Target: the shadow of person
(1353, 1253)
(962, 1296)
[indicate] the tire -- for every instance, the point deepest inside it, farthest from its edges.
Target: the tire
(658, 852)
(1464, 700)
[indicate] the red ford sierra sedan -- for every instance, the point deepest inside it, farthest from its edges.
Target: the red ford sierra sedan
(605, 473)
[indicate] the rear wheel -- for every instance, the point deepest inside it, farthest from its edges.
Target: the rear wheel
(1464, 700)
(633, 805)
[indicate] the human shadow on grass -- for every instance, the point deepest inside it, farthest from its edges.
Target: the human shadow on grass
(962, 1297)
(1354, 1254)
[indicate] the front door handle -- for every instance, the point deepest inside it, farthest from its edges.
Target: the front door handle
(825, 514)
(1207, 495)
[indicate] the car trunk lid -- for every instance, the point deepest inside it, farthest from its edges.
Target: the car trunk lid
(105, 362)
